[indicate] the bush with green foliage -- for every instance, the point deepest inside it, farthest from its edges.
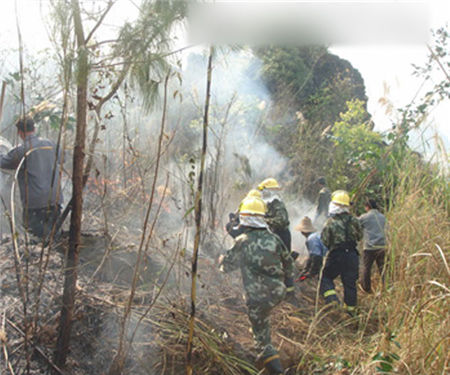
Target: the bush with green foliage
(357, 148)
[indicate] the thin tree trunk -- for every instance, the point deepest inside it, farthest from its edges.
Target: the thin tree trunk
(2, 99)
(71, 267)
(198, 217)
(26, 322)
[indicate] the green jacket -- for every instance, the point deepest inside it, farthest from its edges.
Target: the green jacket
(265, 263)
(342, 230)
(277, 216)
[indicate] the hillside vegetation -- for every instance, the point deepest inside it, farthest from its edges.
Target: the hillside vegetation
(160, 145)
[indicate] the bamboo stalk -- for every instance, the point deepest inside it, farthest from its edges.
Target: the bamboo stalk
(2, 99)
(23, 114)
(198, 216)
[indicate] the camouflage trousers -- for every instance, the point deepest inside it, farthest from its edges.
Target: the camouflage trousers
(259, 315)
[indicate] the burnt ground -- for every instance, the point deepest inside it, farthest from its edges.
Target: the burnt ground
(159, 321)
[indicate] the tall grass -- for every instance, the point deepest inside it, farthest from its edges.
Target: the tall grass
(404, 326)
(416, 300)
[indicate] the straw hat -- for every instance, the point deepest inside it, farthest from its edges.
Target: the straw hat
(305, 226)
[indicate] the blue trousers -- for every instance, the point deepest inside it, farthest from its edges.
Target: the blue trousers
(343, 263)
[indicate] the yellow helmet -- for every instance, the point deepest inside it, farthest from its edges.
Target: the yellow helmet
(254, 193)
(341, 197)
(252, 206)
(269, 183)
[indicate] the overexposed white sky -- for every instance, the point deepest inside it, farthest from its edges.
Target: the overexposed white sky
(386, 69)
(387, 72)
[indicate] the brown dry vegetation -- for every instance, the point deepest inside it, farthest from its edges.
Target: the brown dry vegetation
(405, 324)
(135, 273)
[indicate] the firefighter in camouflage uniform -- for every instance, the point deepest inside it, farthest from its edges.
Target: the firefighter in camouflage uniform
(232, 227)
(277, 215)
(267, 271)
(340, 235)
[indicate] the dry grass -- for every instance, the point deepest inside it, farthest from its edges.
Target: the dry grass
(403, 328)
(405, 324)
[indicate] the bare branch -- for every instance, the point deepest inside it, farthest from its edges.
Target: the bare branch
(99, 22)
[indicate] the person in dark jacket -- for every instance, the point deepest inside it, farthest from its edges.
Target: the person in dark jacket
(38, 177)
(323, 202)
(267, 273)
(316, 249)
(340, 235)
(373, 223)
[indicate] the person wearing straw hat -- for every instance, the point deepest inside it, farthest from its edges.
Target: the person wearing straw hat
(316, 249)
(38, 178)
(267, 271)
(340, 235)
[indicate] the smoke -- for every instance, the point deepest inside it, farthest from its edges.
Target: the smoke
(239, 157)
(239, 113)
(247, 156)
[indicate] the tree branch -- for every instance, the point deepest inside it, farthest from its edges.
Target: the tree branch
(99, 22)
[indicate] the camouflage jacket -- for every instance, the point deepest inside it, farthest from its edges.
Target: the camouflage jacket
(277, 216)
(342, 230)
(265, 263)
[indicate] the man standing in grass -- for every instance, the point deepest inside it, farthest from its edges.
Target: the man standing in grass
(340, 235)
(38, 177)
(373, 223)
(267, 272)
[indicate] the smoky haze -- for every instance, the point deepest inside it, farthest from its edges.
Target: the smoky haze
(118, 191)
(239, 113)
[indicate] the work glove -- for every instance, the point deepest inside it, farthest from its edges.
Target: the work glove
(233, 217)
(305, 272)
(302, 277)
